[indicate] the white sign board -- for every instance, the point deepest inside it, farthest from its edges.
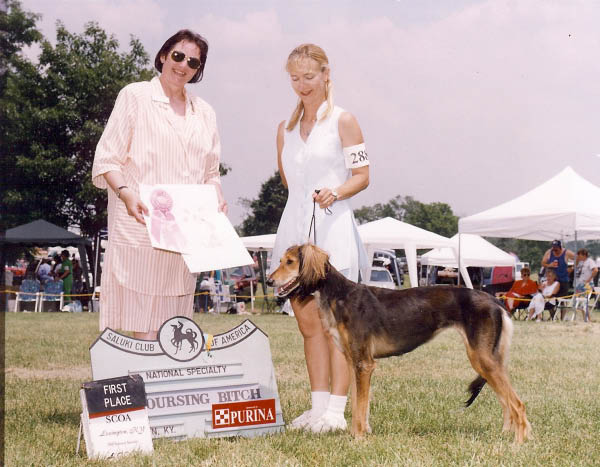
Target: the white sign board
(198, 385)
(185, 219)
(115, 417)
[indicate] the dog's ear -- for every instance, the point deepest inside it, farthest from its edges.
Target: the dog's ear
(313, 263)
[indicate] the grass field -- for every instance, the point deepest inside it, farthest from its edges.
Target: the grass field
(416, 410)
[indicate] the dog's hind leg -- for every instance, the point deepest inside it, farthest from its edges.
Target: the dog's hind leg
(490, 367)
(499, 381)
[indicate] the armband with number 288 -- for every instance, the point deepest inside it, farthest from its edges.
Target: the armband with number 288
(356, 156)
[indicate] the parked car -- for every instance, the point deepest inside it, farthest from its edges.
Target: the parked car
(240, 279)
(388, 259)
(381, 277)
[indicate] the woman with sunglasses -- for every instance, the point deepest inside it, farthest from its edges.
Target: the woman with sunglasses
(524, 288)
(157, 134)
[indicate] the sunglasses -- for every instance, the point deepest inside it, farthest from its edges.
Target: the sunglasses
(192, 62)
(524, 274)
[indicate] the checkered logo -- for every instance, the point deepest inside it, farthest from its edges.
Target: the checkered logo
(221, 417)
(246, 413)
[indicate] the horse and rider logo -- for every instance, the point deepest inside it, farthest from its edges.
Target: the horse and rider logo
(181, 338)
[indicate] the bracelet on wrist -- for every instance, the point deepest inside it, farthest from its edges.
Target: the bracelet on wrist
(119, 190)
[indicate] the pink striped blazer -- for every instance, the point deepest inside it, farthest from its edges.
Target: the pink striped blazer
(148, 143)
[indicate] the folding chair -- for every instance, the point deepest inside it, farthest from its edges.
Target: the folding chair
(53, 292)
(581, 301)
(521, 311)
(29, 291)
(562, 304)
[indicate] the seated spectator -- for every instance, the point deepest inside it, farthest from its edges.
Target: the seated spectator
(524, 288)
(542, 300)
(43, 272)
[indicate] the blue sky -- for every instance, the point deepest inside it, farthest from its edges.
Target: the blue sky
(466, 102)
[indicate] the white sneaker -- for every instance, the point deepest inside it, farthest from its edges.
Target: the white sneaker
(303, 421)
(328, 422)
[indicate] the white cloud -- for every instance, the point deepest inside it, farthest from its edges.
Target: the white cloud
(142, 18)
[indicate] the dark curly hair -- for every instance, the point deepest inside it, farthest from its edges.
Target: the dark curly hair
(187, 35)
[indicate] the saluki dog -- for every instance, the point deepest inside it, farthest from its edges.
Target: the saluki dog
(371, 322)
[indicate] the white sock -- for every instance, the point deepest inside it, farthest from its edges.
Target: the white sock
(319, 401)
(337, 404)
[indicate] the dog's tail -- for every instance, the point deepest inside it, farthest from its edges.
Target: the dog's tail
(475, 388)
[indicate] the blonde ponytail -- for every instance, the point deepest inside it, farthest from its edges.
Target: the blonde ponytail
(296, 115)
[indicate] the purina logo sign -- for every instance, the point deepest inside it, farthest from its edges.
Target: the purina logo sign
(255, 412)
(181, 339)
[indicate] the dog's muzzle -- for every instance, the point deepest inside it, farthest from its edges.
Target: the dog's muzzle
(285, 289)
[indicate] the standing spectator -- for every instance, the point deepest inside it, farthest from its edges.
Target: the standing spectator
(56, 265)
(77, 278)
(585, 272)
(556, 258)
(207, 290)
(65, 273)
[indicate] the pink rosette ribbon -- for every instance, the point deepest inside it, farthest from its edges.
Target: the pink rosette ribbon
(164, 228)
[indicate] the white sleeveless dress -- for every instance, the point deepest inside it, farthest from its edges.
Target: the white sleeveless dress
(314, 164)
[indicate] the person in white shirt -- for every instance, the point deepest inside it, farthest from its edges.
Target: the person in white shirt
(585, 271)
(323, 162)
(43, 271)
(542, 300)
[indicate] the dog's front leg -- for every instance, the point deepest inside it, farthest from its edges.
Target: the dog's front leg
(353, 392)
(362, 377)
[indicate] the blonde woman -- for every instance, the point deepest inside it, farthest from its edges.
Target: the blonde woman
(543, 299)
(322, 159)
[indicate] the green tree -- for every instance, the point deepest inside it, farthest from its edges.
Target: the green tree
(436, 217)
(17, 30)
(55, 112)
(378, 211)
(266, 210)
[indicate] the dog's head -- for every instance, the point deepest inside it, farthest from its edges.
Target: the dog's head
(300, 269)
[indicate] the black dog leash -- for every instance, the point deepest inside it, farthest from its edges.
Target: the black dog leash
(313, 220)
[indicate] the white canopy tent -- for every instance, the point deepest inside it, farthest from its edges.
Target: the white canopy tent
(259, 242)
(565, 207)
(474, 251)
(392, 233)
